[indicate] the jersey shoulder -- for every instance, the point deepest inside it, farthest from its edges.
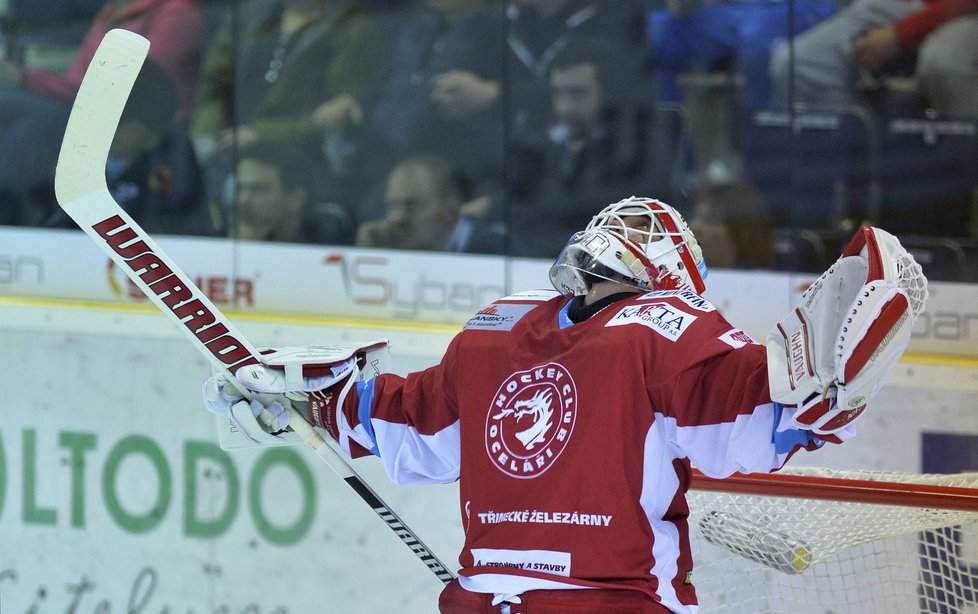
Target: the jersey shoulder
(503, 314)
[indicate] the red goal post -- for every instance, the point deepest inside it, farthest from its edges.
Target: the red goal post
(818, 540)
(825, 487)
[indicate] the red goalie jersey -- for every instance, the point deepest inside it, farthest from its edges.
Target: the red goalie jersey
(573, 442)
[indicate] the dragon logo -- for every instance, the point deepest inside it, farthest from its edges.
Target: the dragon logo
(530, 420)
(539, 408)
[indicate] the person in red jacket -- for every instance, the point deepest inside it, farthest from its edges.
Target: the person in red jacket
(572, 418)
(865, 39)
(174, 28)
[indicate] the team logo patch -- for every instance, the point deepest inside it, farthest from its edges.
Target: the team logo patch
(530, 420)
(737, 338)
(663, 318)
(498, 316)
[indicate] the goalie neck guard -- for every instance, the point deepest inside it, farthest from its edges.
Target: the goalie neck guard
(639, 242)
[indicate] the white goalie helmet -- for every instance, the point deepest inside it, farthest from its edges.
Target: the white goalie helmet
(657, 253)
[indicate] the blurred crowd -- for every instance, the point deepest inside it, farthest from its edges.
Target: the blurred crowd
(498, 126)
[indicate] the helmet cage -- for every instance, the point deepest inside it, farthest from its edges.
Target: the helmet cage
(661, 254)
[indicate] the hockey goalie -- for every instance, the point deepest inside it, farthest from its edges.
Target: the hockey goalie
(572, 417)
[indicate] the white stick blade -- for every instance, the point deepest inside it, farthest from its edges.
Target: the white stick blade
(80, 185)
(96, 113)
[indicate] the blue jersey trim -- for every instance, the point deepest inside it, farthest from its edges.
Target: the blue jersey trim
(562, 320)
(365, 390)
(786, 441)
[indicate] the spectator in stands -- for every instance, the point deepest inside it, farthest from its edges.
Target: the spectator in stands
(730, 37)
(273, 201)
(285, 71)
(276, 64)
(175, 29)
(726, 35)
(459, 65)
(152, 171)
(515, 77)
(424, 200)
(868, 38)
(597, 148)
(732, 220)
(427, 40)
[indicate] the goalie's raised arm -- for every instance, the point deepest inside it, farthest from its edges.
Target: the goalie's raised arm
(832, 353)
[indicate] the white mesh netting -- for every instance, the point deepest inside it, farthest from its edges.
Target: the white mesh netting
(764, 554)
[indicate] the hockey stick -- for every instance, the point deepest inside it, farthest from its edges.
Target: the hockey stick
(82, 191)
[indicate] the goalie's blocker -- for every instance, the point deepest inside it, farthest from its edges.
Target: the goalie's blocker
(831, 355)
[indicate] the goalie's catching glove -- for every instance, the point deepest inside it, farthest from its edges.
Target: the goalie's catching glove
(831, 355)
(312, 381)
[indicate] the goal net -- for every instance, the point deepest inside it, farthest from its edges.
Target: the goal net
(822, 541)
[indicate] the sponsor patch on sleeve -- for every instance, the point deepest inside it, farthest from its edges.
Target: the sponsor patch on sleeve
(737, 338)
(498, 316)
(664, 318)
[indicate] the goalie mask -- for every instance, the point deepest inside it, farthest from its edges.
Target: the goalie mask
(639, 242)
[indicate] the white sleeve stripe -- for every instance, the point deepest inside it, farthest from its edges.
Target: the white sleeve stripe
(411, 458)
(745, 444)
(659, 487)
